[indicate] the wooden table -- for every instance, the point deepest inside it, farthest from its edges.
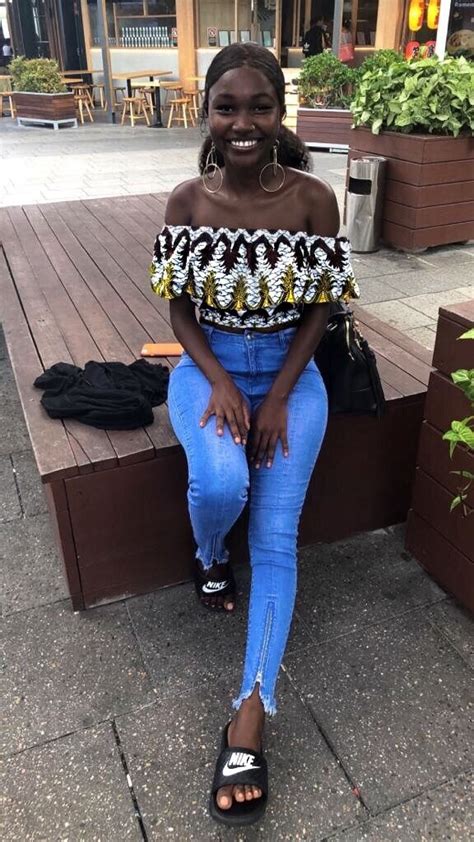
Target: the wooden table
(140, 74)
(87, 72)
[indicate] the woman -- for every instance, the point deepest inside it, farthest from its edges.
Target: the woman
(252, 244)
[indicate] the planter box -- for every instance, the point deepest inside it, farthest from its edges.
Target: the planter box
(443, 541)
(45, 108)
(324, 127)
(429, 193)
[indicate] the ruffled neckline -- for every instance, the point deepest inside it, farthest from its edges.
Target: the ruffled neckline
(211, 229)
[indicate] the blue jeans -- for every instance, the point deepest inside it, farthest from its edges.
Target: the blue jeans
(220, 480)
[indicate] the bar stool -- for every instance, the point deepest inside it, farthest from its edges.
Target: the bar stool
(118, 89)
(144, 92)
(182, 103)
(129, 103)
(194, 96)
(100, 87)
(170, 88)
(7, 95)
(82, 102)
(81, 89)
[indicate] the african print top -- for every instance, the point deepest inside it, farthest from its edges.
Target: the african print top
(251, 279)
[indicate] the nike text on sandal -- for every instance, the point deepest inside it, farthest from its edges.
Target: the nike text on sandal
(239, 766)
(205, 586)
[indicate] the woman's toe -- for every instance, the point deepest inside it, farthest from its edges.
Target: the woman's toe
(229, 603)
(257, 793)
(224, 797)
(248, 793)
(239, 793)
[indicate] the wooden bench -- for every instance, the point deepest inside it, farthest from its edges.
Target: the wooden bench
(73, 287)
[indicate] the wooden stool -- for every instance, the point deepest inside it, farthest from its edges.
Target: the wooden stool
(183, 104)
(145, 93)
(116, 93)
(100, 87)
(140, 114)
(8, 96)
(168, 88)
(81, 89)
(194, 105)
(82, 102)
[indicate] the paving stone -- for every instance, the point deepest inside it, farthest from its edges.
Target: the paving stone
(398, 314)
(32, 495)
(32, 574)
(436, 816)
(396, 703)
(171, 749)
(71, 789)
(427, 281)
(386, 263)
(373, 290)
(429, 303)
(448, 256)
(424, 335)
(457, 624)
(345, 586)
(10, 507)
(178, 636)
(65, 671)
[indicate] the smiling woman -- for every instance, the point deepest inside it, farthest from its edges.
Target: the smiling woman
(253, 244)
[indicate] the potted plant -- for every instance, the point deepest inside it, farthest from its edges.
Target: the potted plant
(440, 526)
(324, 87)
(39, 93)
(419, 114)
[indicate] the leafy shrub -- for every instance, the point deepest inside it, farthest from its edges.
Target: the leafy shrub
(36, 75)
(325, 82)
(424, 95)
(380, 60)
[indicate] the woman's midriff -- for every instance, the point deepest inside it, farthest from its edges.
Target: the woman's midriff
(227, 329)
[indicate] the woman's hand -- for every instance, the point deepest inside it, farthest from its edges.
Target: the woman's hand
(268, 425)
(228, 404)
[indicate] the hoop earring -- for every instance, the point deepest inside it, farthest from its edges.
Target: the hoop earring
(212, 171)
(275, 168)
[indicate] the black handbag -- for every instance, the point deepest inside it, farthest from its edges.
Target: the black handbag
(348, 366)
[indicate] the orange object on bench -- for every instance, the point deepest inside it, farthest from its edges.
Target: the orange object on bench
(162, 349)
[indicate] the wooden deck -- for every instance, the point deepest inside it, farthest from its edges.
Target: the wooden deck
(74, 287)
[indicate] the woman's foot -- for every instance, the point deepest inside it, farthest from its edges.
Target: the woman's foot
(216, 586)
(245, 730)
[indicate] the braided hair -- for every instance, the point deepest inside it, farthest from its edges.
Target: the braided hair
(292, 152)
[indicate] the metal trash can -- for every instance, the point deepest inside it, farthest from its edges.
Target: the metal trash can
(364, 202)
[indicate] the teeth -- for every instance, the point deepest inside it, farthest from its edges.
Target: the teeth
(243, 143)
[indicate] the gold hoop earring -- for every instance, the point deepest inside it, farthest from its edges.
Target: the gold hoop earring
(212, 171)
(275, 168)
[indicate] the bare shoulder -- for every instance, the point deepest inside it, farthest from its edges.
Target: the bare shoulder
(319, 201)
(180, 202)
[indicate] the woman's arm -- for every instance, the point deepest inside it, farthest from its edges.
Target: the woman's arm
(226, 402)
(270, 423)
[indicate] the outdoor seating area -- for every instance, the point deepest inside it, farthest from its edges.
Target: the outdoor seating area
(89, 301)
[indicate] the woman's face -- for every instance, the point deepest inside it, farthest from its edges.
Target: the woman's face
(244, 117)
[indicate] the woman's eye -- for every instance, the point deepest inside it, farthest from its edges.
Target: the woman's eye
(261, 108)
(224, 109)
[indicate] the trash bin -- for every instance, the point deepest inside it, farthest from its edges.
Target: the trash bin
(364, 202)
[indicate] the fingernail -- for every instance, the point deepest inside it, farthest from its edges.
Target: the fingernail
(269, 464)
(237, 440)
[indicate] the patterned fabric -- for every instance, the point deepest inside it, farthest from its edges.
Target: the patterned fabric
(249, 279)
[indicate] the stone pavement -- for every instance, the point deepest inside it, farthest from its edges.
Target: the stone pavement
(111, 718)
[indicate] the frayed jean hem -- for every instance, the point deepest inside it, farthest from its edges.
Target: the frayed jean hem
(210, 560)
(268, 702)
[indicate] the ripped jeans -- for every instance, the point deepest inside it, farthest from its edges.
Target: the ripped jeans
(220, 480)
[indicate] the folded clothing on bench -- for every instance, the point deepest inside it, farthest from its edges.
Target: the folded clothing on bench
(110, 396)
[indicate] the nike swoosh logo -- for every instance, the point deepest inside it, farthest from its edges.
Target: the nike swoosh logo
(214, 587)
(235, 770)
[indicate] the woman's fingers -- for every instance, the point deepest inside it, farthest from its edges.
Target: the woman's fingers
(234, 427)
(242, 423)
(205, 418)
(271, 450)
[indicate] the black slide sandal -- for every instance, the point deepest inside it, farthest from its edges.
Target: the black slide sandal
(206, 586)
(243, 766)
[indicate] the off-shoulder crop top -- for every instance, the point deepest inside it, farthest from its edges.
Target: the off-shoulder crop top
(251, 279)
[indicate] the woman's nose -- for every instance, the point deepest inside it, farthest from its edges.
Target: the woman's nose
(243, 122)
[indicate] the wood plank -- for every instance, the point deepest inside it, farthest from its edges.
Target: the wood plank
(62, 530)
(433, 457)
(445, 402)
(46, 298)
(398, 356)
(415, 240)
(463, 311)
(432, 502)
(430, 195)
(450, 354)
(426, 217)
(52, 450)
(393, 335)
(418, 148)
(445, 563)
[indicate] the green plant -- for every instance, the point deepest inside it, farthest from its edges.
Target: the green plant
(462, 432)
(325, 82)
(420, 95)
(36, 75)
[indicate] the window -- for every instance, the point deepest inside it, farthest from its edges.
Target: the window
(136, 23)
(222, 22)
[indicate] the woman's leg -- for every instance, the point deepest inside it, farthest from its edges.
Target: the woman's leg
(276, 499)
(218, 471)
